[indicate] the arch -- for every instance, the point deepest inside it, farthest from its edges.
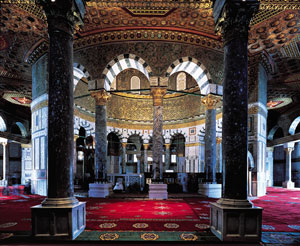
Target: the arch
(198, 71)
(250, 161)
(3, 127)
(113, 144)
(78, 73)
(19, 129)
(273, 131)
(294, 125)
(121, 63)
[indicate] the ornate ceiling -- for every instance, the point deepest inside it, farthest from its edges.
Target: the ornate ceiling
(274, 31)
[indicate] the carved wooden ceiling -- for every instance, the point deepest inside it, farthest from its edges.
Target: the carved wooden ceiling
(275, 30)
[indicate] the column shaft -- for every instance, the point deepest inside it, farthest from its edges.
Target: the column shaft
(5, 160)
(60, 116)
(210, 146)
(288, 166)
(235, 119)
(157, 142)
(100, 143)
(146, 157)
(167, 156)
(123, 157)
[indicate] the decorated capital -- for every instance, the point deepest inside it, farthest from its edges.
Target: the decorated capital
(146, 146)
(218, 140)
(289, 150)
(210, 101)
(168, 146)
(101, 96)
(233, 17)
(158, 94)
(63, 15)
(124, 145)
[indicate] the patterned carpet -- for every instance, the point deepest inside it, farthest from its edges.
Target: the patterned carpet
(185, 219)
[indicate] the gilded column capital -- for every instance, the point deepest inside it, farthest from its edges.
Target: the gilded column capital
(158, 94)
(233, 18)
(210, 101)
(63, 15)
(146, 146)
(124, 144)
(218, 140)
(101, 96)
(168, 146)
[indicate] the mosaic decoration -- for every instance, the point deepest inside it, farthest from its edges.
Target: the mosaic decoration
(140, 225)
(18, 98)
(188, 237)
(149, 236)
(108, 225)
(109, 236)
(279, 102)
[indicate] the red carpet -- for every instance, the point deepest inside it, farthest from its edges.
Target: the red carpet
(147, 215)
(281, 213)
(281, 210)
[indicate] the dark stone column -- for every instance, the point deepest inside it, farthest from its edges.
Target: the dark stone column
(235, 96)
(60, 215)
(210, 102)
(60, 103)
(101, 97)
(232, 18)
(158, 94)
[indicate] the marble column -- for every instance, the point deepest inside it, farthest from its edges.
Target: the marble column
(210, 101)
(232, 19)
(288, 148)
(60, 214)
(4, 161)
(158, 94)
(167, 156)
(269, 165)
(219, 155)
(124, 144)
(101, 98)
(146, 146)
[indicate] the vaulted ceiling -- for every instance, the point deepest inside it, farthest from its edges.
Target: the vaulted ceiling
(275, 30)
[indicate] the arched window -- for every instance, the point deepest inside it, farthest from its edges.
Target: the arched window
(2, 125)
(135, 84)
(181, 81)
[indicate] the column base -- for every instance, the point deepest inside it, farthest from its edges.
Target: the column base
(288, 184)
(158, 191)
(100, 190)
(236, 223)
(58, 223)
(210, 190)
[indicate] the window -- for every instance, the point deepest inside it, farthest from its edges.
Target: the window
(135, 84)
(181, 81)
